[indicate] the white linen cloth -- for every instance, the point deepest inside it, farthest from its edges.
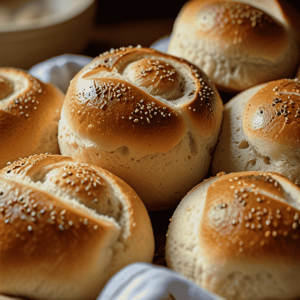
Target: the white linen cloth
(141, 281)
(60, 70)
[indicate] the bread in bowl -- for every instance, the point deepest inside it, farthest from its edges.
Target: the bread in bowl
(238, 44)
(238, 235)
(147, 117)
(66, 228)
(29, 114)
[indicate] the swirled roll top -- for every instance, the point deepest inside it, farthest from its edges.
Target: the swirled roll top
(133, 92)
(244, 232)
(271, 119)
(134, 108)
(29, 114)
(157, 77)
(239, 44)
(78, 223)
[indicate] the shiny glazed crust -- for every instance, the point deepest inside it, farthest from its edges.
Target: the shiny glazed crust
(261, 131)
(133, 108)
(66, 228)
(244, 235)
(239, 44)
(29, 114)
(272, 116)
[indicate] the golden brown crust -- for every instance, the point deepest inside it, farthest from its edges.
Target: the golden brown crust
(238, 236)
(123, 120)
(34, 219)
(239, 44)
(122, 112)
(29, 108)
(158, 77)
(39, 212)
(134, 108)
(204, 110)
(283, 11)
(246, 217)
(42, 237)
(237, 23)
(272, 115)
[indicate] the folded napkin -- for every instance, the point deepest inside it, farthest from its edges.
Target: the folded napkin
(60, 70)
(141, 281)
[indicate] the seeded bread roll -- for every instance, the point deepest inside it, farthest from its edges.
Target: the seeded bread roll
(238, 235)
(261, 131)
(147, 117)
(29, 114)
(66, 228)
(238, 44)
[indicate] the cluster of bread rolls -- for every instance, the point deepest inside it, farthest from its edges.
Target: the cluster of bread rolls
(237, 235)
(134, 111)
(66, 228)
(68, 223)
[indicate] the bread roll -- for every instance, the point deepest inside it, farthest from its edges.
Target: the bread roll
(66, 228)
(261, 131)
(238, 235)
(29, 114)
(147, 117)
(238, 44)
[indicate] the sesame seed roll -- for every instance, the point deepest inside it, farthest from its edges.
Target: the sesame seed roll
(150, 118)
(261, 131)
(238, 235)
(29, 114)
(66, 228)
(238, 44)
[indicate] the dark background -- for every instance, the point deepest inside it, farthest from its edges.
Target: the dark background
(124, 23)
(120, 11)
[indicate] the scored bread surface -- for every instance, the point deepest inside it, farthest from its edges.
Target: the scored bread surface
(29, 115)
(238, 235)
(150, 118)
(66, 228)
